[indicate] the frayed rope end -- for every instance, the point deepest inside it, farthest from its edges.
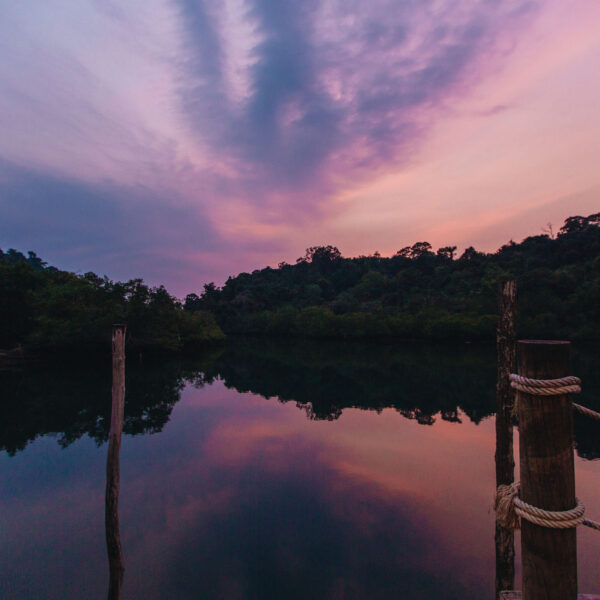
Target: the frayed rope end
(505, 507)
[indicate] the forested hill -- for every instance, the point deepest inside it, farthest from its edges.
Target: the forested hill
(419, 292)
(42, 307)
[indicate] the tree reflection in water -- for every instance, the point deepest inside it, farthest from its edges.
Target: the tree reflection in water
(422, 382)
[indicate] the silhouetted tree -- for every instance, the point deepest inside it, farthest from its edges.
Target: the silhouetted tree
(447, 252)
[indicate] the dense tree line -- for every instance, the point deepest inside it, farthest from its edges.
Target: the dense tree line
(420, 293)
(417, 293)
(43, 307)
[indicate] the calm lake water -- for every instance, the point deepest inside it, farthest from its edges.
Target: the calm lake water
(268, 471)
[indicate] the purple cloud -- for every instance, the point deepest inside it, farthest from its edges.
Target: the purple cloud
(123, 231)
(335, 88)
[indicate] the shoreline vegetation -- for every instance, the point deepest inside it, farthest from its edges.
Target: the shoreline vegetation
(417, 294)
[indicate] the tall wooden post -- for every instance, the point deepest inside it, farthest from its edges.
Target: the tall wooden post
(547, 474)
(505, 462)
(111, 520)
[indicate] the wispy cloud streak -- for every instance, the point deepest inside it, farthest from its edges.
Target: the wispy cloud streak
(336, 89)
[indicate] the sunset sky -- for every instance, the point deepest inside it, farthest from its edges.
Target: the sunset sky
(183, 141)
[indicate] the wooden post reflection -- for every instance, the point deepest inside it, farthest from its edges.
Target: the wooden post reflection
(111, 516)
(505, 462)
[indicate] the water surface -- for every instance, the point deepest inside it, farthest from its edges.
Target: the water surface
(267, 470)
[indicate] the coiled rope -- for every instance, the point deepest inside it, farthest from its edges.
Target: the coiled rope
(552, 387)
(510, 509)
(545, 387)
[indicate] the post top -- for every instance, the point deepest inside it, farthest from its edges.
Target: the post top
(519, 595)
(119, 325)
(545, 342)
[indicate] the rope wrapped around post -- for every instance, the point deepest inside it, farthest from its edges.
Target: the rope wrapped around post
(510, 509)
(546, 387)
(552, 387)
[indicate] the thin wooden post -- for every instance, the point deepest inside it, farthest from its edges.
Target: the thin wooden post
(547, 474)
(505, 462)
(113, 535)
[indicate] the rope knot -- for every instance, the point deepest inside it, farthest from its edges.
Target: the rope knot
(505, 507)
(510, 509)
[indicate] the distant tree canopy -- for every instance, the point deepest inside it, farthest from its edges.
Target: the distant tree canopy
(419, 292)
(42, 307)
(321, 256)
(579, 224)
(416, 293)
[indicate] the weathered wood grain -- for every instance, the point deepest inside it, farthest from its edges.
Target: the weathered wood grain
(547, 474)
(505, 462)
